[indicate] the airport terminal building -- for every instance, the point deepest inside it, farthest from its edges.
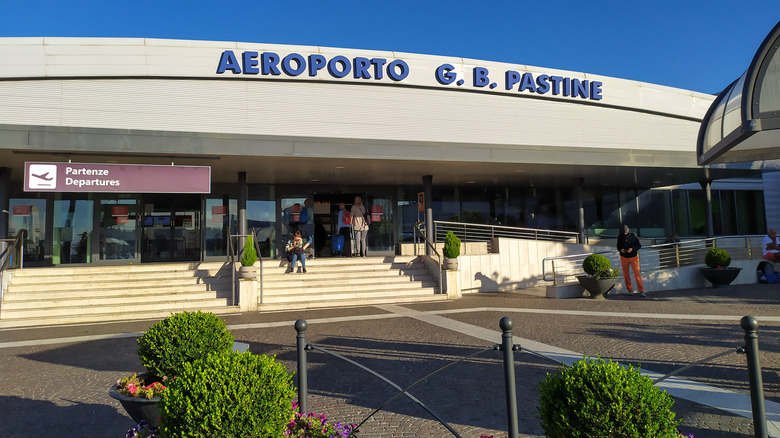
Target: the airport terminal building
(119, 151)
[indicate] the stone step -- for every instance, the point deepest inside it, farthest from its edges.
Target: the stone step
(103, 270)
(121, 311)
(295, 292)
(118, 300)
(129, 291)
(365, 301)
(314, 278)
(307, 296)
(78, 318)
(79, 285)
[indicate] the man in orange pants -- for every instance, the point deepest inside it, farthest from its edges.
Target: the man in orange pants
(628, 245)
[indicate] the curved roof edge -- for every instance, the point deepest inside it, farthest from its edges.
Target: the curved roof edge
(743, 123)
(33, 58)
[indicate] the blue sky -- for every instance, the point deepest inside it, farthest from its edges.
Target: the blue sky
(690, 44)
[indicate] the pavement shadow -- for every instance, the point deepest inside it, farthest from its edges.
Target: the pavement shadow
(469, 393)
(25, 418)
(101, 355)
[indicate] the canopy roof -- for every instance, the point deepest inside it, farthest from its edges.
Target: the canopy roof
(743, 123)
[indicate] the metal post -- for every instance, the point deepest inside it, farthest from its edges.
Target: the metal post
(509, 375)
(429, 230)
(303, 387)
(749, 325)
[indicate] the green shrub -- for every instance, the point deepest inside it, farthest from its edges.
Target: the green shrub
(180, 338)
(249, 256)
(592, 399)
(451, 245)
(717, 257)
(596, 264)
(229, 395)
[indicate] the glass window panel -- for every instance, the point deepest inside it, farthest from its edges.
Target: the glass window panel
(750, 212)
(698, 212)
(72, 232)
(28, 216)
(654, 213)
(261, 215)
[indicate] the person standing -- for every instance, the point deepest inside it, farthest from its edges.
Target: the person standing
(770, 246)
(344, 230)
(360, 221)
(628, 245)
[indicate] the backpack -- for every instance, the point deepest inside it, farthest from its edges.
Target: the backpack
(346, 218)
(304, 217)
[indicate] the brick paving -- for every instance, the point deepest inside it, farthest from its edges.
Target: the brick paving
(62, 388)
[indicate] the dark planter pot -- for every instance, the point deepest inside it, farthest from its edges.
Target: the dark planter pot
(720, 277)
(597, 287)
(139, 408)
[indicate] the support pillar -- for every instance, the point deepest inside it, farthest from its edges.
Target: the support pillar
(707, 186)
(242, 225)
(5, 190)
(428, 189)
(580, 209)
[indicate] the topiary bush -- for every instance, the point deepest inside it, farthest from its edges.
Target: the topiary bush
(249, 256)
(451, 245)
(717, 258)
(229, 395)
(180, 338)
(594, 398)
(596, 264)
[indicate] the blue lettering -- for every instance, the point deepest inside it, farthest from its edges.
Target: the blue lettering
(228, 61)
(269, 61)
(512, 77)
(444, 75)
(378, 64)
(481, 77)
(250, 63)
(579, 88)
(566, 86)
(527, 83)
(316, 63)
(595, 90)
(345, 66)
(287, 64)
(392, 72)
(556, 84)
(360, 70)
(543, 84)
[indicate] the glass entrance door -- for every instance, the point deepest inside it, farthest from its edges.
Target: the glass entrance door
(170, 229)
(118, 231)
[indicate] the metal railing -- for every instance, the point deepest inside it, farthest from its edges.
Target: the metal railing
(507, 347)
(12, 257)
(486, 233)
(421, 233)
(231, 259)
(564, 269)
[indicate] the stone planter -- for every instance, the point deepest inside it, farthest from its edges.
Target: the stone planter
(720, 277)
(247, 272)
(597, 287)
(449, 264)
(139, 408)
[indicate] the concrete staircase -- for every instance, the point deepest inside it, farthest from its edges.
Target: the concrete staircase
(67, 295)
(335, 282)
(64, 295)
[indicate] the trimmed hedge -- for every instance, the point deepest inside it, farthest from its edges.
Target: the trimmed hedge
(451, 245)
(180, 338)
(596, 264)
(594, 398)
(716, 257)
(229, 395)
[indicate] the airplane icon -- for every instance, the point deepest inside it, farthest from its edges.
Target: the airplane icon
(43, 177)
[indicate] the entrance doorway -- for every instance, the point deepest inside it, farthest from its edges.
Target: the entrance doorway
(170, 228)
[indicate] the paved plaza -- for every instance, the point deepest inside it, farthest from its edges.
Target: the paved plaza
(54, 381)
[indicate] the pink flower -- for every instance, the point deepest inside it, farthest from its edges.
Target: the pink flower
(132, 388)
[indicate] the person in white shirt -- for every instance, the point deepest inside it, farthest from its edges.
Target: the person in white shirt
(770, 246)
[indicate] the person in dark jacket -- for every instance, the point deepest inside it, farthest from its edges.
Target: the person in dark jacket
(628, 245)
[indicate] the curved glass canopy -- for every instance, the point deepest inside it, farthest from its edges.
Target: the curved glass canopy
(743, 123)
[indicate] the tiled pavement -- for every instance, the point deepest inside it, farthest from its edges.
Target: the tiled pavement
(54, 381)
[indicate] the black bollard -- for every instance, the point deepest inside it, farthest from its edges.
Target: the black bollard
(509, 375)
(303, 388)
(750, 325)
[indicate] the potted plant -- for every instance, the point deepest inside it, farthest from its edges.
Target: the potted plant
(451, 251)
(248, 259)
(717, 271)
(600, 278)
(164, 349)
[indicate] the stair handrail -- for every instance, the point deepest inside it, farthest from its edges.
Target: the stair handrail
(671, 255)
(418, 227)
(7, 256)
